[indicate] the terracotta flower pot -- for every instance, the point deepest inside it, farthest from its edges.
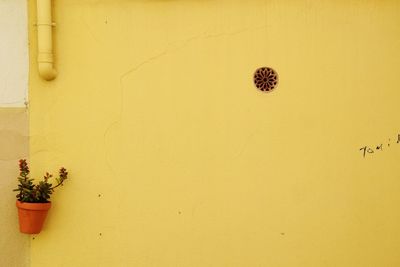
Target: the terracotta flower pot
(31, 216)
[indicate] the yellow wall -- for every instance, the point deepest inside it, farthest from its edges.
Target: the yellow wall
(177, 160)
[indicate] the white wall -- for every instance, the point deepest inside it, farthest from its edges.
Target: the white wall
(13, 53)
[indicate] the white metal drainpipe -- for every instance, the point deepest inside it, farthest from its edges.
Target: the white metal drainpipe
(45, 40)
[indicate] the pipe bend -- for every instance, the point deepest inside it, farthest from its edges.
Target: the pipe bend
(47, 71)
(45, 40)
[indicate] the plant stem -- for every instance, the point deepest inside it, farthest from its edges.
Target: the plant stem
(57, 185)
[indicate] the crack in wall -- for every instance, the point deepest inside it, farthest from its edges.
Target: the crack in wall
(171, 47)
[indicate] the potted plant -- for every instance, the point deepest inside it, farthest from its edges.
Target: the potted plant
(33, 200)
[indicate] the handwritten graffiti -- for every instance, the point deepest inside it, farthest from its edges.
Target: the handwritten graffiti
(366, 150)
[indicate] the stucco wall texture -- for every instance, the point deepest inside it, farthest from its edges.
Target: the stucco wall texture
(176, 159)
(14, 246)
(13, 53)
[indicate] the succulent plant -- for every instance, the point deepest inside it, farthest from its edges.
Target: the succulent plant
(40, 192)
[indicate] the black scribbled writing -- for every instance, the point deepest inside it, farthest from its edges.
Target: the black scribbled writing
(369, 150)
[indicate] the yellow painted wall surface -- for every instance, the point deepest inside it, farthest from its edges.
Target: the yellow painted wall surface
(14, 246)
(177, 160)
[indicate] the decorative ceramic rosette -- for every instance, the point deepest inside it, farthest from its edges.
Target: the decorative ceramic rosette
(265, 79)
